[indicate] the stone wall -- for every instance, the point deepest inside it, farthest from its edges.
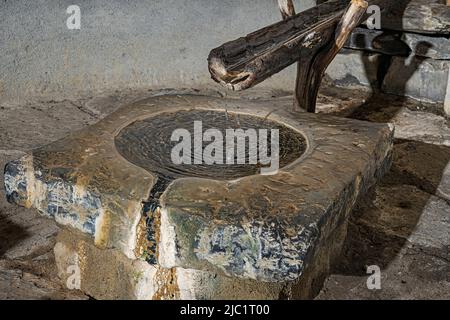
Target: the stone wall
(121, 44)
(410, 56)
(164, 44)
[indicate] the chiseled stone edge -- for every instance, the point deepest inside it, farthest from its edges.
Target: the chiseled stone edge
(252, 250)
(55, 198)
(193, 235)
(73, 204)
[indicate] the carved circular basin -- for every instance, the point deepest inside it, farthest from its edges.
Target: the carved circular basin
(264, 228)
(147, 143)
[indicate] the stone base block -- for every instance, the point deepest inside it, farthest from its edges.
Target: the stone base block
(109, 274)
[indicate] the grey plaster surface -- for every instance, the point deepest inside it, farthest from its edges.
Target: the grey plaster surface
(121, 44)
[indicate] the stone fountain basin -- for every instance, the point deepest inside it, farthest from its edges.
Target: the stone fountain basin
(264, 227)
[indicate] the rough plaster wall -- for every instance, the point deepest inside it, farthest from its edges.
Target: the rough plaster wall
(121, 44)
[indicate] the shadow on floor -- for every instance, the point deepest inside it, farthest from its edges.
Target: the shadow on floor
(383, 220)
(10, 233)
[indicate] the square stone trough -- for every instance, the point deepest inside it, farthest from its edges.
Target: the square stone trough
(138, 226)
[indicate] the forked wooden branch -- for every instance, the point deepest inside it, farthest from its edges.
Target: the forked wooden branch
(305, 98)
(315, 34)
(309, 79)
(247, 61)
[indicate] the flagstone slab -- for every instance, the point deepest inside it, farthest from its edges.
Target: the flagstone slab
(251, 226)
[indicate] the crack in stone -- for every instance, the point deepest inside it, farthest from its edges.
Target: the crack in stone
(150, 212)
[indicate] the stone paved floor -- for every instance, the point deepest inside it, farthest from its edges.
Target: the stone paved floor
(403, 225)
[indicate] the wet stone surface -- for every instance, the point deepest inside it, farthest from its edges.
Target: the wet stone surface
(148, 144)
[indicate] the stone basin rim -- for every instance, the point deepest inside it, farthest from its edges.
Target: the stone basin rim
(308, 140)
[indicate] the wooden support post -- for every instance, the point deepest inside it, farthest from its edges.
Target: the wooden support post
(305, 97)
(310, 73)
